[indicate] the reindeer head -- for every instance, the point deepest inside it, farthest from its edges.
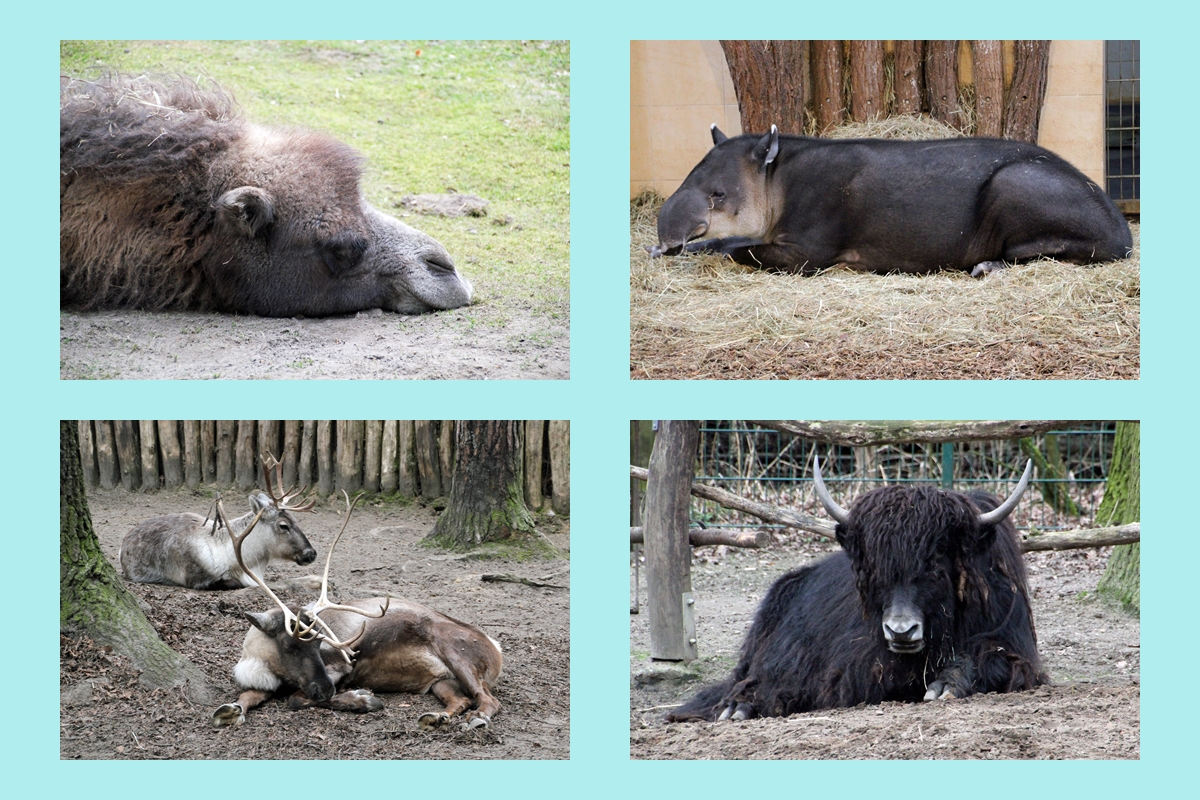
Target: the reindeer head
(295, 637)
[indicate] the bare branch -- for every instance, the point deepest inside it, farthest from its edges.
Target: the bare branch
(699, 537)
(1089, 537)
(865, 433)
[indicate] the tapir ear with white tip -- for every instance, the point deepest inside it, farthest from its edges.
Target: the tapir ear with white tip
(246, 209)
(718, 137)
(770, 145)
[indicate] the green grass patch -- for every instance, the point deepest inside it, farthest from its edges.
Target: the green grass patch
(490, 118)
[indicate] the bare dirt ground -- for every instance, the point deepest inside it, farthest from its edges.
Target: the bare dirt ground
(1090, 649)
(472, 343)
(106, 714)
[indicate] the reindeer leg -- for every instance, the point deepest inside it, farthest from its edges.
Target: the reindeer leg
(234, 714)
(474, 686)
(358, 701)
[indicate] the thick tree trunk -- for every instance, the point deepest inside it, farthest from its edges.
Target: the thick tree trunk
(866, 80)
(1121, 504)
(668, 553)
(1023, 103)
(828, 105)
(909, 76)
(769, 79)
(1050, 470)
(989, 87)
(941, 82)
(487, 498)
(93, 601)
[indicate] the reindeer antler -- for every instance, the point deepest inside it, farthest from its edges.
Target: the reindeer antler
(323, 603)
(282, 499)
(292, 623)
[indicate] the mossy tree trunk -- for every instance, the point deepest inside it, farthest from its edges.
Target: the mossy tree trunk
(487, 497)
(1121, 504)
(93, 601)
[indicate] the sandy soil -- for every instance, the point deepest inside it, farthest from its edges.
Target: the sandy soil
(473, 343)
(1090, 649)
(106, 714)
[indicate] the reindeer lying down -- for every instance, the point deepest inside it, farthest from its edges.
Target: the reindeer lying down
(400, 646)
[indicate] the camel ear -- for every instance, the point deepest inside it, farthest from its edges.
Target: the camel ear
(246, 209)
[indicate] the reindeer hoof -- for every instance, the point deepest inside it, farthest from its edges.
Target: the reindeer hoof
(228, 715)
(478, 721)
(369, 701)
(430, 720)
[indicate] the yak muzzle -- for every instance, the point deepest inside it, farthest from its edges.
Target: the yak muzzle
(903, 623)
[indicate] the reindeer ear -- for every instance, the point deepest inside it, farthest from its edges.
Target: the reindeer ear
(268, 623)
(259, 501)
(246, 209)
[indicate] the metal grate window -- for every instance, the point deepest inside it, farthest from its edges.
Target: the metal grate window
(1123, 119)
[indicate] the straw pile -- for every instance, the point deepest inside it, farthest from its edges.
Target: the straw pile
(705, 317)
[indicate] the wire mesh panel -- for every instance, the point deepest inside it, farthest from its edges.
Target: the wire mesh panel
(773, 467)
(1123, 119)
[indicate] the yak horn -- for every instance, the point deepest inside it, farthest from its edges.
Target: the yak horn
(831, 508)
(996, 515)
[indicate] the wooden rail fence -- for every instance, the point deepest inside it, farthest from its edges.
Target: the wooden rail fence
(409, 458)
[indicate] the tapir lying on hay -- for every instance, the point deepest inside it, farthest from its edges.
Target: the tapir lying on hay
(797, 204)
(170, 200)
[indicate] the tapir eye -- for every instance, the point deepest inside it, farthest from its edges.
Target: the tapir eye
(718, 196)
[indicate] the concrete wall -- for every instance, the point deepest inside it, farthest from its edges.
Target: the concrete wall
(678, 89)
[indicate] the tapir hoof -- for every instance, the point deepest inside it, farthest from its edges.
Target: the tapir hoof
(228, 715)
(987, 268)
(430, 720)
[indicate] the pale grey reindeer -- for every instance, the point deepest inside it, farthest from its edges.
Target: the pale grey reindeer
(190, 550)
(402, 646)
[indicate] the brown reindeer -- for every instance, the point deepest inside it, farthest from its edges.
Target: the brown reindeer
(382, 644)
(190, 550)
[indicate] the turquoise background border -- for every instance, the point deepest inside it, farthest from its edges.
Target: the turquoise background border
(599, 398)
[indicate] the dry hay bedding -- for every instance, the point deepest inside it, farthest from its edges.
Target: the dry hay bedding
(1090, 649)
(106, 714)
(705, 317)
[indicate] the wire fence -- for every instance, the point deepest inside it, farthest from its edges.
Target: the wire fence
(1071, 468)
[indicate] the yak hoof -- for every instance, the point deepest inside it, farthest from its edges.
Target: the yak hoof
(938, 690)
(431, 720)
(228, 715)
(736, 712)
(987, 268)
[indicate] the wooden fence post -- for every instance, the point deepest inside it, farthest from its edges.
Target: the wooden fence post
(291, 452)
(308, 453)
(534, 434)
(560, 466)
(245, 456)
(192, 471)
(324, 457)
(226, 436)
(389, 478)
(428, 464)
(446, 454)
(172, 454)
(106, 455)
(668, 553)
(149, 447)
(127, 453)
(406, 463)
(350, 455)
(87, 452)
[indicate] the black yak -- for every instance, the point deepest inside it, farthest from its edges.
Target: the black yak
(169, 200)
(927, 601)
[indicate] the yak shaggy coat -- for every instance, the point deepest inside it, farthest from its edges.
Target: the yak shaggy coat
(817, 642)
(170, 200)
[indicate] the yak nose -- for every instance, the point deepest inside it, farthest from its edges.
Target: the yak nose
(904, 633)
